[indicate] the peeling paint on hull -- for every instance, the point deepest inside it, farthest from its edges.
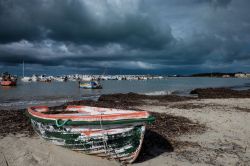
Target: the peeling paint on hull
(121, 142)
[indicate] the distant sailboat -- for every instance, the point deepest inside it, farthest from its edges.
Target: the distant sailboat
(23, 69)
(25, 79)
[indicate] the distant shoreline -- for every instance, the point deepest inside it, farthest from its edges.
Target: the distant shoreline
(89, 77)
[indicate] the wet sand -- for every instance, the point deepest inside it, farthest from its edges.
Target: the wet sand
(203, 130)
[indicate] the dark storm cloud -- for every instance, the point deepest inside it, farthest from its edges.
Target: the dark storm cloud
(160, 35)
(78, 21)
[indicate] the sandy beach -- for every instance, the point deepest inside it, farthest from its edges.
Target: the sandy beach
(226, 140)
(204, 130)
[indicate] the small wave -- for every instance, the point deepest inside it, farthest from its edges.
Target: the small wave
(14, 104)
(156, 93)
(94, 98)
(240, 87)
(25, 104)
(174, 92)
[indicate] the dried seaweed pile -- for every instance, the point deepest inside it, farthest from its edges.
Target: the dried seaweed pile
(128, 100)
(161, 135)
(170, 126)
(220, 93)
(134, 98)
(242, 109)
(187, 106)
(13, 122)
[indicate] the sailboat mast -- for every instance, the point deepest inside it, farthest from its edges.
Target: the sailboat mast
(23, 68)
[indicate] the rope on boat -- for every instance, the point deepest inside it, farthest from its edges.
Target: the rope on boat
(105, 142)
(62, 124)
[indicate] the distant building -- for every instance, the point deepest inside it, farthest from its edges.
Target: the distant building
(242, 75)
(248, 75)
(225, 76)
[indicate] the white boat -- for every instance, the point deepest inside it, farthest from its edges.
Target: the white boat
(26, 79)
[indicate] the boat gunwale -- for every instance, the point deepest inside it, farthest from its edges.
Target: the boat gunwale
(76, 121)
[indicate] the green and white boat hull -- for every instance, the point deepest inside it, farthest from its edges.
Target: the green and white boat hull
(120, 140)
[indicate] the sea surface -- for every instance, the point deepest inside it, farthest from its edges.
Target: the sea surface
(57, 93)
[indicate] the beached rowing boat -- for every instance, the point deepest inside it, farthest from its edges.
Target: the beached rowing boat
(112, 133)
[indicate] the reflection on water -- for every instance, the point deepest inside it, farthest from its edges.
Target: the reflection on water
(26, 94)
(7, 87)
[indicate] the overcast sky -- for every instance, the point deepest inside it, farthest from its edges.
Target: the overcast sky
(124, 36)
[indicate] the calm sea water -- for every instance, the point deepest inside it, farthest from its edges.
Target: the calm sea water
(56, 93)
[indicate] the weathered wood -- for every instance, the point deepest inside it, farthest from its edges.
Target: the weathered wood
(120, 141)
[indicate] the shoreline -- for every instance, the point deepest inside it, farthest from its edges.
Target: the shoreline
(184, 127)
(219, 92)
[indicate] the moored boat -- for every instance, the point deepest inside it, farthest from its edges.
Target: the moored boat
(8, 80)
(91, 85)
(8, 83)
(112, 133)
(26, 79)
